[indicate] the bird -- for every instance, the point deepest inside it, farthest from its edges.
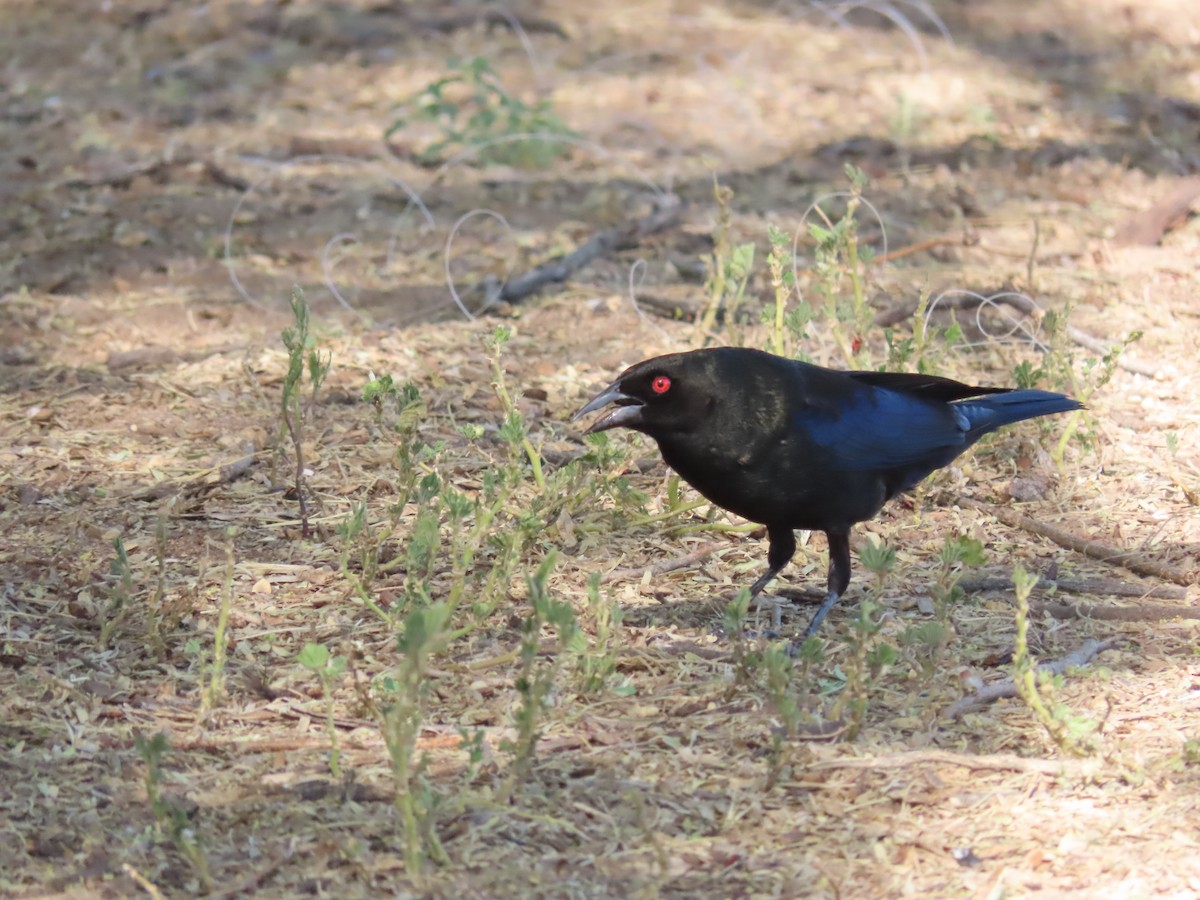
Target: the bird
(789, 444)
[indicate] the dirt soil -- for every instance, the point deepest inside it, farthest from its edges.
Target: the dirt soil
(169, 170)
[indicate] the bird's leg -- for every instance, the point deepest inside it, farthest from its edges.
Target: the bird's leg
(779, 553)
(839, 577)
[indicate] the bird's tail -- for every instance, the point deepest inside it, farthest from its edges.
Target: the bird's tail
(987, 413)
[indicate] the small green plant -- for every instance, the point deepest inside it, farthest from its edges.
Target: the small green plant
(783, 283)
(924, 347)
(879, 559)
(536, 677)
(295, 409)
(787, 321)
(957, 553)
(1060, 370)
(869, 658)
(120, 594)
(471, 110)
(513, 430)
(746, 657)
(905, 124)
(400, 710)
(473, 744)
(839, 261)
(779, 666)
(399, 411)
(214, 690)
(170, 820)
(729, 270)
(927, 640)
(329, 670)
(447, 555)
(1072, 733)
(1191, 751)
(1190, 492)
(154, 608)
(444, 531)
(597, 660)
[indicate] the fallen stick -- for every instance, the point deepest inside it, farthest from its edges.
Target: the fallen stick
(492, 18)
(990, 693)
(610, 240)
(1106, 587)
(920, 247)
(1093, 549)
(153, 168)
(200, 484)
(1001, 762)
(1149, 226)
(661, 568)
(1116, 613)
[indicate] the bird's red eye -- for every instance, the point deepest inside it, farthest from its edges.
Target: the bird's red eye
(661, 384)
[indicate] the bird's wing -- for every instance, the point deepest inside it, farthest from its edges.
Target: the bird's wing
(932, 387)
(878, 429)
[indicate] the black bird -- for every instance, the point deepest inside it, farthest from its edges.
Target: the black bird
(791, 445)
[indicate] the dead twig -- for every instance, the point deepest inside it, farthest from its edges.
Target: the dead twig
(155, 168)
(996, 762)
(668, 214)
(990, 693)
(157, 356)
(1031, 260)
(201, 484)
(1149, 226)
(489, 17)
(1093, 549)
(965, 240)
(1108, 587)
(247, 885)
(225, 178)
(1115, 613)
(142, 881)
(668, 565)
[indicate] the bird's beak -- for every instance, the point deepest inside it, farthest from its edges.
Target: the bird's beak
(627, 413)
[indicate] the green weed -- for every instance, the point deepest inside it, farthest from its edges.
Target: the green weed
(214, 691)
(470, 109)
(597, 659)
(1073, 733)
(841, 273)
(729, 270)
(400, 710)
(170, 819)
(296, 408)
(537, 674)
(329, 670)
(120, 594)
(927, 640)
(1061, 370)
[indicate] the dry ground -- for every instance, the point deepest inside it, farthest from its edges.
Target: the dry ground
(128, 360)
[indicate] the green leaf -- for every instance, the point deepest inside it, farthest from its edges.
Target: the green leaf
(313, 656)
(877, 558)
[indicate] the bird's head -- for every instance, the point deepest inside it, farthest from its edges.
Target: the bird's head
(660, 396)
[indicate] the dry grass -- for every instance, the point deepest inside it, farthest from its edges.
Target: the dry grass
(675, 785)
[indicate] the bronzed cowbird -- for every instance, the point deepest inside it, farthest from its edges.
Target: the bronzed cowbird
(792, 445)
